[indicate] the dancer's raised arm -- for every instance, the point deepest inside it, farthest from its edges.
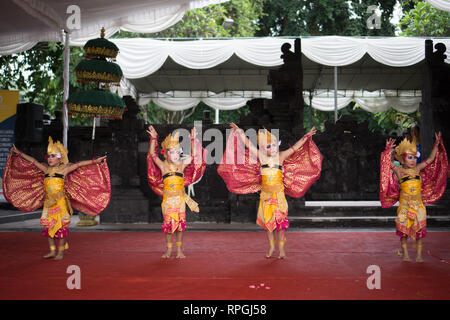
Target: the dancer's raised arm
(38, 165)
(153, 141)
(433, 153)
(189, 160)
(248, 144)
(77, 165)
(287, 153)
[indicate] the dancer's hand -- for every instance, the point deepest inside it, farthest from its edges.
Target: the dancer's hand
(98, 160)
(437, 137)
(234, 126)
(14, 149)
(390, 143)
(193, 133)
(312, 132)
(152, 132)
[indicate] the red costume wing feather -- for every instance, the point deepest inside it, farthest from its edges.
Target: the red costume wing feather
(240, 171)
(302, 169)
(195, 170)
(389, 188)
(89, 188)
(23, 184)
(434, 176)
(154, 175)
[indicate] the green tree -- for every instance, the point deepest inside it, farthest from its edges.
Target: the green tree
(38, 75)
(357, 25)
(206, 23)
(324, 17)
(423, 20)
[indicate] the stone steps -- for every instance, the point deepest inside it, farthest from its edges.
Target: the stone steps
(7, 216)
(360, 222)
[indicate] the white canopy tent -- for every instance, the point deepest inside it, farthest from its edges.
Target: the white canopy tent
(378, 73)
(24, 23)
(440, 4)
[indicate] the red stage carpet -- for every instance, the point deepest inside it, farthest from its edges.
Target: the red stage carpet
(223, 265)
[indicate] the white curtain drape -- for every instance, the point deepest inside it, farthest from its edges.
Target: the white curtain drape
(440, 4)
(377, 101)
(183, 100)
(141, 57)
(30, 21)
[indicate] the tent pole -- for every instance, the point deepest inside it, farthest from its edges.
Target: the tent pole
(217, 116)
(335, 95)
(310, 109)
(65, 115)
(93, 136)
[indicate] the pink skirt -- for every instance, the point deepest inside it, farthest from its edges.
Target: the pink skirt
(422, 233)
(171, 227)
(60, 234)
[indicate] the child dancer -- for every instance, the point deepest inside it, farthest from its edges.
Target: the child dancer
(169, 178)
(57, 186)
(413, 185)
(272, 172)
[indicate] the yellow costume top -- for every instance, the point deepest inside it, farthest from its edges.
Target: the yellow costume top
(272, 198)
(173, 195)
(411, 213)
(57, 210)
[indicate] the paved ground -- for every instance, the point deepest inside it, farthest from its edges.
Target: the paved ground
(224, 266)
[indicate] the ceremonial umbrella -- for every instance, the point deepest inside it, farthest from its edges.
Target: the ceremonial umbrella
(97, 73)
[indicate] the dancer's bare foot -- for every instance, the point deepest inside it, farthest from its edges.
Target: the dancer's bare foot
(167, 254)
(270, 252)
(49, 255)
(419, 258)
(60, 255)
(405, 251)
(282, 254)
(180, 254)
(406, 257)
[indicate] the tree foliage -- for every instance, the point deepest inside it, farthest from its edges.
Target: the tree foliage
(424, 20)
(37, 73)
(206, 23)
(324, 17)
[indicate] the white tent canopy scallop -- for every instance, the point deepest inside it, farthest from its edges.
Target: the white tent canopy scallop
(440, 4)
(178, 74)
(26, 22)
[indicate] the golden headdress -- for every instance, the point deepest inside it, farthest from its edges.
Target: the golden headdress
(405, 146)
(265, 137)
(171, 142)
(57, 148)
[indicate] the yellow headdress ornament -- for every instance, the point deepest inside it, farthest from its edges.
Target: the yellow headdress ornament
(57, 148)
(405, 147)
(265, 137)
(171, 142)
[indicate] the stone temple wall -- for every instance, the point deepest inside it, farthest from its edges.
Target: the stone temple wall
(350, 168)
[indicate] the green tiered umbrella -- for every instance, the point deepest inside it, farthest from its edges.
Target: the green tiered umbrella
(101, 47)
(96, 103)
(98, 70)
